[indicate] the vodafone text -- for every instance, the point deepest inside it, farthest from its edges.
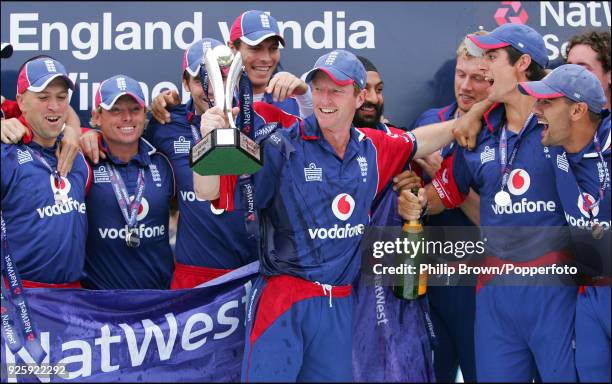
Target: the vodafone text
(143, 232)
(61, 208)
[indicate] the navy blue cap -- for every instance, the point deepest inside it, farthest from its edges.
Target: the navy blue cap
(572, 81)
(520, 36)
(342, 67)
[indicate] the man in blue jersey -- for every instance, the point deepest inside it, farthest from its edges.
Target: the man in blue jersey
(44, 212)
(571, 106)
(129, 200)
(312, 200)
(210, 242)
(514, 178)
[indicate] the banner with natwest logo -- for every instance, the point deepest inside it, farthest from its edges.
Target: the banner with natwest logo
(137, 335)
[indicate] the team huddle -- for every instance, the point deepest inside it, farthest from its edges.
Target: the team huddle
(522, 146)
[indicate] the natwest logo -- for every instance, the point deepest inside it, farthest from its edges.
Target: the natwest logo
(518, 182)
(511, 12)
(343, 206)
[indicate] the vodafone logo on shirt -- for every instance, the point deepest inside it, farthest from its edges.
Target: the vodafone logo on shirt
(63, 186)
(143, 210)
(143, 231)
(343, 206)
(585, 201)
(518, 182)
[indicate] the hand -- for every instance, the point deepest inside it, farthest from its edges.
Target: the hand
(214, 118)
(167, 99)
(285, 84)
(467, 127)
(411, 206)
(406, 180)
(430, 163)
(90, 147)
(67, 150)
(11, 131)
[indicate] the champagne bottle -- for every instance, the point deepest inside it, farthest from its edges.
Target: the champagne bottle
(412, 286)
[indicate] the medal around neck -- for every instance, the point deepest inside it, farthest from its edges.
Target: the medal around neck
(597, 231)
(131, 239)
(502, 199)
(60, 197)
(225, 151)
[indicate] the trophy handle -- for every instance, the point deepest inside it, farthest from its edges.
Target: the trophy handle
(232, 80)
(214, 77)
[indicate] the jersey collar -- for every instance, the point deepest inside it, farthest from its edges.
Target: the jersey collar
(447, 112)
(142, 158)
(310, 130)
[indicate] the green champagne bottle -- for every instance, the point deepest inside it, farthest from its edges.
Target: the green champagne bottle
(412, 286)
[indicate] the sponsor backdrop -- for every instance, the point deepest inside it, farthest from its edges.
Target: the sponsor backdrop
(411, 43)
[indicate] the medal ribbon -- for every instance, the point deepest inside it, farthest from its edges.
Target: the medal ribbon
(52, 171)
(506, 164)
(122, 195)
(602, 183)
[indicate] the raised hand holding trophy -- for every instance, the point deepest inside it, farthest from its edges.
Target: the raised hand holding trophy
(227, 151)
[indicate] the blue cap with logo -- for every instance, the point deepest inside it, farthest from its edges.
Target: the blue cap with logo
(36, 75)
(572, 81)
(113, 88)
(522, 37)
(342, 67)
(192, 59)
(253, 27)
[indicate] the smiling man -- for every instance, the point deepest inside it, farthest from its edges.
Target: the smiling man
(256, 36)
(312, 198)
(129, 201)
(44, 212)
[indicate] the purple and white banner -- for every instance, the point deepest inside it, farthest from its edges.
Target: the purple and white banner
(137, 335)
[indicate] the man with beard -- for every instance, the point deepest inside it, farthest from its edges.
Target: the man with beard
(378, 331)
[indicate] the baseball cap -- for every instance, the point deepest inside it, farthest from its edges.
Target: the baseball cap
(520, 36)
(572, 81)
(342, 67)
(7, 50)
(253, 27)
(113, 88)
(192, 59)
(37, 74)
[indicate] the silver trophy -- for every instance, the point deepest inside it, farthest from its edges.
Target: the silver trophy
(225, 151)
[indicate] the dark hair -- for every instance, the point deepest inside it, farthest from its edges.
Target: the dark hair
(367, 64)
(534, 72)
(598, 41)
